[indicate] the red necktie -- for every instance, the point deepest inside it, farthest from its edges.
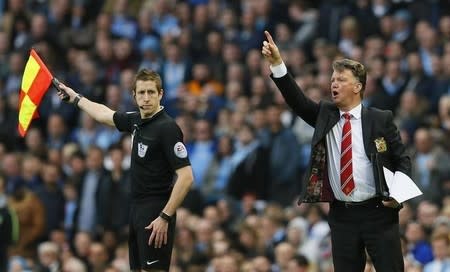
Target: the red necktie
(347, 182)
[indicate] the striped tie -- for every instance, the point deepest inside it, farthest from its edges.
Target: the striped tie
(347, 182)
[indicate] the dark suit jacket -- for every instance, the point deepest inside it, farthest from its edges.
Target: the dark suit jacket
(376, 124)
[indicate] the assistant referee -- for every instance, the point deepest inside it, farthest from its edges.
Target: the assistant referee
(161, 174)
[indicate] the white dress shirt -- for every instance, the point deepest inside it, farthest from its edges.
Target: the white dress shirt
(362, 167)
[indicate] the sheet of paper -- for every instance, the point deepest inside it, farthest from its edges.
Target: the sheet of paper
(401, 187)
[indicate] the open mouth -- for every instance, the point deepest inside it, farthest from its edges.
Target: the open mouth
(335, 93)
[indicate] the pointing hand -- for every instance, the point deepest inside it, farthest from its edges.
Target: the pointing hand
(270, 50)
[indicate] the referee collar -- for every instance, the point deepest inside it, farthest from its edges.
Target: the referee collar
(154, 116)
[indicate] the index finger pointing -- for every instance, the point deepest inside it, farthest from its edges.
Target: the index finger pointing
(269, 37)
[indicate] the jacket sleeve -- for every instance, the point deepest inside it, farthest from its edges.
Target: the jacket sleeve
(294, 97)
(398, 153)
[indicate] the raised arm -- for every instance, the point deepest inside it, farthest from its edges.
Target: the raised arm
(292, 93)
(99, 112)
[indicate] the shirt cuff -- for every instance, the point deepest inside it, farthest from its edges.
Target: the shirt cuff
(279, 70)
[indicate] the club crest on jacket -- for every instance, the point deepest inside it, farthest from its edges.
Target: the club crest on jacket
(380, 143)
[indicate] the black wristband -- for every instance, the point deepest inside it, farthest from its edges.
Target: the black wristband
(165, 216)
(77, 99)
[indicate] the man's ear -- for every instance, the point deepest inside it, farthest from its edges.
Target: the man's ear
(357, 88)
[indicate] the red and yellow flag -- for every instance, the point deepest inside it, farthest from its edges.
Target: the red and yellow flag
(35, 82)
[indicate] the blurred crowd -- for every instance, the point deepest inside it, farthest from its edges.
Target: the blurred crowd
(67, 181)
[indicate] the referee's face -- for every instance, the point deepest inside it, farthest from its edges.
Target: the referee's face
(148, 97)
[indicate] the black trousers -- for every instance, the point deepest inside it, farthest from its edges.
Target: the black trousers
(368, 225)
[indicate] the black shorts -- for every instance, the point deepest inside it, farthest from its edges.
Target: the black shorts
(143, 256)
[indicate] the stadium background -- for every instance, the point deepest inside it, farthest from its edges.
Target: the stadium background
(248, 151)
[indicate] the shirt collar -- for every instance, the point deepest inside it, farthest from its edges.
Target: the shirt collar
(355, 112)
(158, 113)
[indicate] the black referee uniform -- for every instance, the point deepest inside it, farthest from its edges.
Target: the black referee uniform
(157, 152)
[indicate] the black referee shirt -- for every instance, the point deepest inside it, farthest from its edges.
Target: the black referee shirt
(157, 151)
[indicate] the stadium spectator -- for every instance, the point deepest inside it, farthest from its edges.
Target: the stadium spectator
(31, 216)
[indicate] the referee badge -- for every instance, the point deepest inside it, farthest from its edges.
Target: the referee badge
(142, 149)
(180, 150)
(380, 143)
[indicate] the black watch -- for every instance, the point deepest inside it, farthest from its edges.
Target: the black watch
(77, 99)
(165, 216)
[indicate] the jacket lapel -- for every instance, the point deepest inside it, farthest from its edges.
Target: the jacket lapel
(366, 122)
(332, 117)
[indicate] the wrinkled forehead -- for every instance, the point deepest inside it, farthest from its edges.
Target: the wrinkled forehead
(145, 85)
(344, 73)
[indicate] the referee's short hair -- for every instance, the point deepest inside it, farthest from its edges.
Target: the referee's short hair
(148, 75)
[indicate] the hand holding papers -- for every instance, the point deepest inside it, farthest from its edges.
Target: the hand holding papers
(401, 187)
